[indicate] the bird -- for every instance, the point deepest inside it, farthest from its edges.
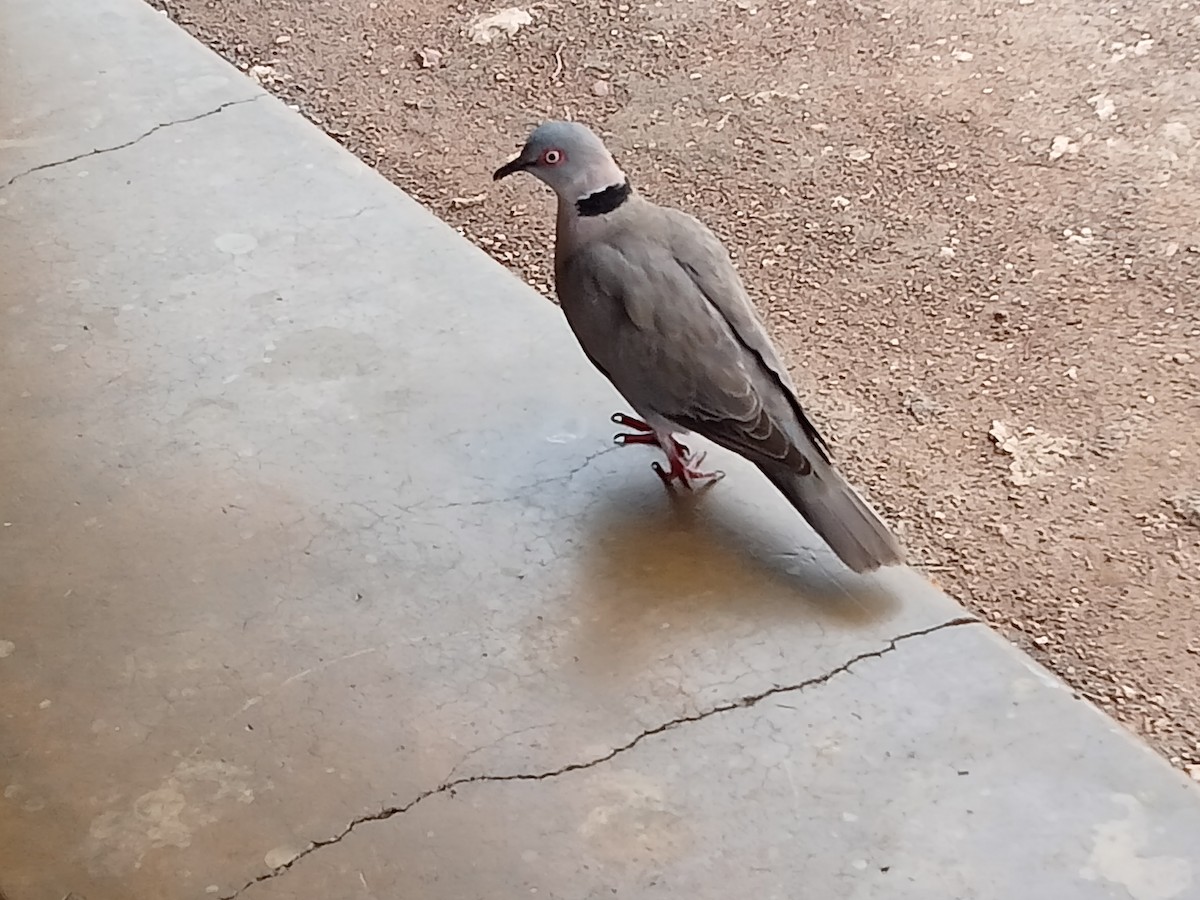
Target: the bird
(655, 302)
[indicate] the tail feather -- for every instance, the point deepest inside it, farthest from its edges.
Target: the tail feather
(843, 519)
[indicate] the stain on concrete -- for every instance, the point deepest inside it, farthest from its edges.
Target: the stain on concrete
(1118, 856)
(193, 796)
(631, 821)
(236, 244)
(320, 354)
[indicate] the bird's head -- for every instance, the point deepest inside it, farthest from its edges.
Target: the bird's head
(568, 157)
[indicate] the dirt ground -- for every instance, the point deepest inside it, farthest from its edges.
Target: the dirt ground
(973, 227)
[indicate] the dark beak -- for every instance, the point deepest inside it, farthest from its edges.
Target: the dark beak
(517, 165)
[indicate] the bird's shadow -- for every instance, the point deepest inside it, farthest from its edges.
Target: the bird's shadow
(709, 563)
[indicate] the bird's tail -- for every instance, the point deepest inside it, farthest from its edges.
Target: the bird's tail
(843, 519)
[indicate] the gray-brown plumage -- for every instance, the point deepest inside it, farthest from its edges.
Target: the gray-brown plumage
(657, 306)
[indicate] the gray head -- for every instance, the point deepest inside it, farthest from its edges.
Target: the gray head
(569, 158)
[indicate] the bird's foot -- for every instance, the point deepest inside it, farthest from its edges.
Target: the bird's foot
(641, 434)
(684, 467)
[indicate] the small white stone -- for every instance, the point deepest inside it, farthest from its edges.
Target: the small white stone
(1104, 106)
(1178, 133)
(1062, 145)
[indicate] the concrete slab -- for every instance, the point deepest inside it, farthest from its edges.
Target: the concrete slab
(922, 786)
(80, 84)
(310, 512)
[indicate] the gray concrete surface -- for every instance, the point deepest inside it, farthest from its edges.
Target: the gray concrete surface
(320, 577)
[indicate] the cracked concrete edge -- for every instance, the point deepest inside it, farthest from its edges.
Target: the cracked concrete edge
(744, 702)
(126, 144)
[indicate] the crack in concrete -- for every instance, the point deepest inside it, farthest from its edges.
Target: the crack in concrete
(101, 150)
(743, 702)
(519, 492)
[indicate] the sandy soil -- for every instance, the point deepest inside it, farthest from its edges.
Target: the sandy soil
(974, 228)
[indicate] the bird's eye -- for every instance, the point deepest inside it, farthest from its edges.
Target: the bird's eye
(552, 157)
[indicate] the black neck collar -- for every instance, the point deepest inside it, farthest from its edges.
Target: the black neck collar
(604, 201)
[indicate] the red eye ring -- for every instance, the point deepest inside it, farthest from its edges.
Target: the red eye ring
(552, 157)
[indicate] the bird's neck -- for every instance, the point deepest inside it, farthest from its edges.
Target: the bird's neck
(586, 212)
(605, 200)
(598, 188)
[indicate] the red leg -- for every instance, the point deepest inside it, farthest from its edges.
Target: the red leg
(626, 438)
(630, 422)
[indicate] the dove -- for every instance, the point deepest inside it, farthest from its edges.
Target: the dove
(657, 306)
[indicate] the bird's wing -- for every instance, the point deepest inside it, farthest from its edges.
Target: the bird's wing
(707, 262)
(643, 309)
